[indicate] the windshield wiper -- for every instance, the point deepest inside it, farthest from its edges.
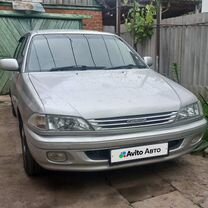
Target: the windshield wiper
(77, 67)
(129, 66)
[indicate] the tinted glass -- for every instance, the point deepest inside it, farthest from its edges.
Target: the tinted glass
(34, 64)
(114, 52)
(126, 53)
(43, 54)
(99, 51)
(61, 50)
(48, 52)
(81, 50)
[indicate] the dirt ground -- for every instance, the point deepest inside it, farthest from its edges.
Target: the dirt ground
(182, 183)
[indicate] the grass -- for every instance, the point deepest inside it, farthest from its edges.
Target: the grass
(204, 143)
(175, 68)
(176, 72)
(205, 107)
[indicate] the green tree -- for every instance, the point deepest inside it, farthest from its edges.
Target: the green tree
(140, 22)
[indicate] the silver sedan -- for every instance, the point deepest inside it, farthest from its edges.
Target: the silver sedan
(86, 101)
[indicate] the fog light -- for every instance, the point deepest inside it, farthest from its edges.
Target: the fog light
(57, 156)
(196, 139)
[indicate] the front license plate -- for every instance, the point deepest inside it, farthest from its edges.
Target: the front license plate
(140, 152)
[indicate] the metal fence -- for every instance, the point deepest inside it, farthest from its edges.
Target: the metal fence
(184, 42)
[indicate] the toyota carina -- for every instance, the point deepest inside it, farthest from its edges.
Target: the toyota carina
(86, 101)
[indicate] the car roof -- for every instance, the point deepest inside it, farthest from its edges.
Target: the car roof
(81, 32)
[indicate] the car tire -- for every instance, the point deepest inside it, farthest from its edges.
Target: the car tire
(31, 167)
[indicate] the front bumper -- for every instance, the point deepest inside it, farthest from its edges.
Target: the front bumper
(77, 147)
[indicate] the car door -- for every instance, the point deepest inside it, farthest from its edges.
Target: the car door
(15, 76)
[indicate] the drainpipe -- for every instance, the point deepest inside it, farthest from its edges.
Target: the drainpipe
(118, 17)
(159, 16)
(133, 32)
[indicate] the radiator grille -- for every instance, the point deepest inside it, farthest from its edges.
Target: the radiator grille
(133, 121)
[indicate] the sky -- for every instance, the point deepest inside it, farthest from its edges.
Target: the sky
(204, 5)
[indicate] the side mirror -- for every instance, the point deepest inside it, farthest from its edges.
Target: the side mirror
(148, 60)
(9, 64)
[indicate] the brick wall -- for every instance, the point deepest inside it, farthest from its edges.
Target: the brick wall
(95, 23)
(7, 8)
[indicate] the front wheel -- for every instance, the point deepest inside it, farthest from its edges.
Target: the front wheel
(30, 165)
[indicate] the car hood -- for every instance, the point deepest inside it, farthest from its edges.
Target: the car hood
(102, 94)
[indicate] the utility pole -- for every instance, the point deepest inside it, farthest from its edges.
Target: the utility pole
(158, 8)
(118, 17)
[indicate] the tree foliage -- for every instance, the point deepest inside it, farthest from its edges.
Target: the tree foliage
(140, 22)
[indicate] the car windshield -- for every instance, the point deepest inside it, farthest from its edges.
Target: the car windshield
(80, 52)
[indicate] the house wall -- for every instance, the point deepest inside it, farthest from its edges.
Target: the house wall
(14, 24)
(93, 23)
(71, 2)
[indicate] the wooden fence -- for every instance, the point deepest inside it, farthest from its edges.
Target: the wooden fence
(13, 25)
(184, 42)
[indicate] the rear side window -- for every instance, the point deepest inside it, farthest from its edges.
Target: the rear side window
(53, 51)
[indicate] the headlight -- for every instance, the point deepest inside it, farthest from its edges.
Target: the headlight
(38, 121)
(189, 111)
(58, 123)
